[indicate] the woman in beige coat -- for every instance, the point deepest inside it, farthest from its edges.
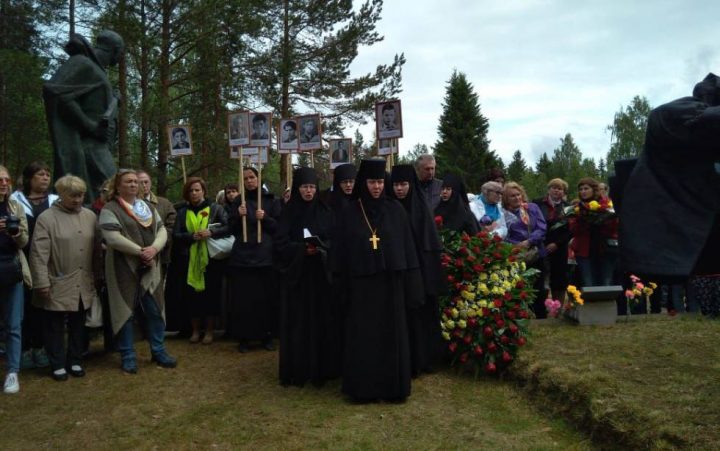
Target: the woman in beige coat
(62, 264)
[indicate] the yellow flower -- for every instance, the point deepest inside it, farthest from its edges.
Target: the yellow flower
(653, 285)
(446, 336)
(505, 273)
(482, 303)
(471, 313)
(580, 301)
(455, 313)
(466, 295)
(610, 204)
(449, 324)
(483, 276)
(572, 289)
(462, 324)
(593, 205)
(494, 277)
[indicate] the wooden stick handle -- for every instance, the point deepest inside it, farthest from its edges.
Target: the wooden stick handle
(242, 199)
(259, 200)
(182, 162)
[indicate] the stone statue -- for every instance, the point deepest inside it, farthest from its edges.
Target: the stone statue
(82, 108)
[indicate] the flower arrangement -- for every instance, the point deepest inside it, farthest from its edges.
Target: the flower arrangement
(484, 318)
(639, 291)
(593, 212)
(555, 307)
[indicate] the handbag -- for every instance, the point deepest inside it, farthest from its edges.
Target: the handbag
(94, 316)
(10, 270)
(220, 248)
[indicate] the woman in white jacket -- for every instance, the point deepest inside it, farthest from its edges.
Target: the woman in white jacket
(488, 210)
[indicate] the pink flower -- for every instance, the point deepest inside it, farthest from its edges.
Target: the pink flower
(628, 293)
(639, 286)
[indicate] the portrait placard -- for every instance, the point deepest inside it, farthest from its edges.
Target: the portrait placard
(340, 152)
(288, 136)
(260, 129)
(387, 146)
(388, 119)
(246, 152)
(238, 129)
(179, 140)
(310, 132)
(261, 157)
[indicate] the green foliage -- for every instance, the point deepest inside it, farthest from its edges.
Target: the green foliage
(410, 157)
(517, 168)
(463, 146)
(628, 131)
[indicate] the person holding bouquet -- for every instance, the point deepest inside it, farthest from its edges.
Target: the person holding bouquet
(594, 227)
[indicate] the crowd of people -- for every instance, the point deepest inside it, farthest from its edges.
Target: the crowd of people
(347, 278)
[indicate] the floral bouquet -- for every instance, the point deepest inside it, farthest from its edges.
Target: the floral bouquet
(639, 292)
(593, 212)
(484, 319)
(555, 307)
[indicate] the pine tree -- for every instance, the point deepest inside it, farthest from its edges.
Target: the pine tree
(543, 165)
(413, 154)
(463, 146)
(517, 167)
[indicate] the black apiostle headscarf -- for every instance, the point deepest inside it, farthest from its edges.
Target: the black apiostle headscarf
(338, 198)
(369, 170)
(425, 235)
(300, 214)
(455, 210)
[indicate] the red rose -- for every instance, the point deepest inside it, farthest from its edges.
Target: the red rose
(504, 339)
(507, 357)
(516, 307)
(492, 347)
(478, 350)
(510, 314)
(498, 303)
(523, 314)
(507, 296)
(467, 276)
(490, 368)
(486, 311)
(513, 329)
(511, 258)
(463, 250)
(478, 268)
(459, 263)
(521, 341)
(487, 331)
(467, 339)
(458, 286)
(465, 238)
(523, 295)
(447, 312)
(520, 284)
(500, 323)
(450, 278)
(476, 249)
(486, 260)
(452, 347)
(497, 255)
(482, 234)
(438, 221)
(472, 323)
(497, 238)
(471, 258)
(457, 333)
(446, 258)
(463, 357)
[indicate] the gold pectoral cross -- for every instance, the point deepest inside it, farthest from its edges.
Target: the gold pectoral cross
(374, 240)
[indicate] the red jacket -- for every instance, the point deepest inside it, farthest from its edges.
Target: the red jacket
(580, 230)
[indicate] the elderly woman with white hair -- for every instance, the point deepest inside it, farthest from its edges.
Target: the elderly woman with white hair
(64, 263)
(488, 209)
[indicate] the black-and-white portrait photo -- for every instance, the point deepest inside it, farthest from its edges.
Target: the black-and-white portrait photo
(388, 119)
(310, 131)
(238, 130)
(242, 152)
(340, 152)
(180, 140)
(387, 146)
(288, 133)
(260, 157)
(260, 129)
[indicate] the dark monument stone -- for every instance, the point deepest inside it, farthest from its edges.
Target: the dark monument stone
(82, 109)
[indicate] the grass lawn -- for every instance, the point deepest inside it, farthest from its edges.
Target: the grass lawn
(653, 382)
(220, 399)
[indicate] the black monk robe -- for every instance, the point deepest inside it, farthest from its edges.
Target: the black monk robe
(376, 284)
(309, 316)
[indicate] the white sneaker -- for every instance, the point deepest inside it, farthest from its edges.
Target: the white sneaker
(12, 385)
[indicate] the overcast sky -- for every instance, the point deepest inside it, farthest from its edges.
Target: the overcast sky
(544, 68)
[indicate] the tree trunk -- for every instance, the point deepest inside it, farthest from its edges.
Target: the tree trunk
(285, 89)
(164, 97)
(144, 90)
(123, 157)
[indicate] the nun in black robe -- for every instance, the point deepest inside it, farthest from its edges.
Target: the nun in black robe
(455, 210)
(423, 314)
(336, 198)
(309, 315)
(374, 255)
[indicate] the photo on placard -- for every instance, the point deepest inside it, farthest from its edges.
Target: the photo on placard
(238, 133)
(235, 152)
(340, 152)
(261, 157)
(310, 132)
(388, 119)
(260, 129)
(180, 140)
(288, 134)
(387, 146)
